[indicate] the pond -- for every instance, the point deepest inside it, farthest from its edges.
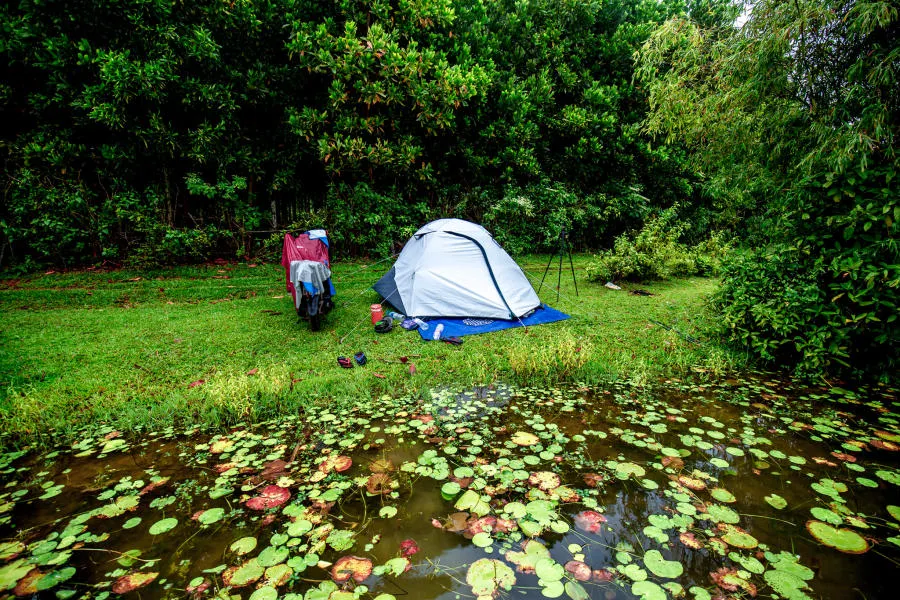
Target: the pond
(735, 489)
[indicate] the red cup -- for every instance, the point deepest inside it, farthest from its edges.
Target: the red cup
(377, 313)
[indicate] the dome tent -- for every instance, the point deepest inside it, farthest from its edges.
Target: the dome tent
(454, 268)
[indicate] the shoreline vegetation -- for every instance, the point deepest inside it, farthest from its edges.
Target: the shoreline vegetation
(218, 344)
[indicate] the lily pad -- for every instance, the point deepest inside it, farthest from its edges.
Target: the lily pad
(776, 501)
(272, 496)
(354, 567)
(524, 438)
(213, 515)
(722, 495)
(245, 574)
(844, 540)
(589, 521)
(488, 576)
(245, 545)
(647, 590)
(133, 581)
(659, 566)
(163, 526)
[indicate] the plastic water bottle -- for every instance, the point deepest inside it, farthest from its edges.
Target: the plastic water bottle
(396, 316)
(422, 324)
(437, 331)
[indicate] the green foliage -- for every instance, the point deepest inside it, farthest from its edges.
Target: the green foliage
(127, 129)
(796, 116)
(656, 252)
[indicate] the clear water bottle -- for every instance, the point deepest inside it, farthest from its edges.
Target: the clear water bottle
(437, 331)
(422, 324)
(396, 316)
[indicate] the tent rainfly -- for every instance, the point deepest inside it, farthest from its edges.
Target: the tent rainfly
(454, 268)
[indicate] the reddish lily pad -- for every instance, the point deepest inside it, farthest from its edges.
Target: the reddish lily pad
(589, 521)
(348, 567)
(690, 540)
(338, 463)
(133, 581)
(692, 483)
(379, 484)
(272, 496)
(408, 547)
(27, 586)
(578, 570)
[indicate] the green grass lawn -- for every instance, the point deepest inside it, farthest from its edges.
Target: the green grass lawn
(125, 347)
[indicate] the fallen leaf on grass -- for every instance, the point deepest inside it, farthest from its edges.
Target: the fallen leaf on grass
(379, 376)
(194, 384)
(252, 371)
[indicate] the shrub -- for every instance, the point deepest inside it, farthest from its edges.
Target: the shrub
(654, 252)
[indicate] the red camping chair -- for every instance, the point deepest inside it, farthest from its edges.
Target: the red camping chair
(307, 269)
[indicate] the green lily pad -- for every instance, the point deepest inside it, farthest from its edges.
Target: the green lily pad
(894, 511)
(627, 469)
(722, 495)
(272, 555)
(576, 591)
(786, 584)
(163, 526)
(340, 540)
(722, 514)
(823, 514)
(548, 569)
(213, 515)
(54, 578)
(264, 593)
(844, 540)
(11, 573)
(633, 572)
(888, 476)
(739, 538)
(245, 545)
(647, 590)
(776, 501)
(488, 576)
(661, 567)
(245, 574)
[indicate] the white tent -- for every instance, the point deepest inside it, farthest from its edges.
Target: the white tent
(454, 268)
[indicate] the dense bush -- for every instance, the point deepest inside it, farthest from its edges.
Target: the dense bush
(796, 116)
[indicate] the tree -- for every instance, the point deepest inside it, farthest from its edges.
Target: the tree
(794, 118)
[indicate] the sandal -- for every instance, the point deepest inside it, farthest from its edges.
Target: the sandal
(384, 325)
(345, 362)
(360, 358)
(456, 341)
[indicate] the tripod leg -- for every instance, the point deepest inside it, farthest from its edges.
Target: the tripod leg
(572, 267)
(545, 274)
(559, 273)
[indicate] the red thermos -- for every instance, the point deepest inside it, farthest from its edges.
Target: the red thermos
(377, 313)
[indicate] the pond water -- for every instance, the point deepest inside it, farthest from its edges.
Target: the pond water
(741, 488)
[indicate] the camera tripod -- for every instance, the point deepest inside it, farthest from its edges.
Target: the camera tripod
(563, 249)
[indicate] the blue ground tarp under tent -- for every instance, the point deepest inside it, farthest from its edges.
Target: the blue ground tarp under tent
(472, 326)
